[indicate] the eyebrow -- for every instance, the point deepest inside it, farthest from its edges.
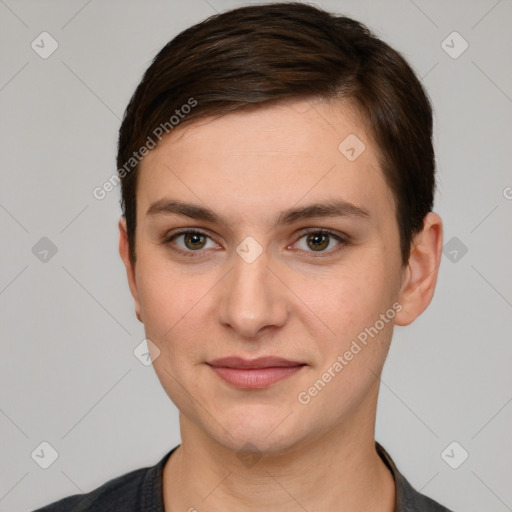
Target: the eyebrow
(330, 208)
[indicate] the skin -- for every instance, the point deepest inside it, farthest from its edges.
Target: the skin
(294, 301)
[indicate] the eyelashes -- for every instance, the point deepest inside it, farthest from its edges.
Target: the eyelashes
(189, 235)
(199, 238)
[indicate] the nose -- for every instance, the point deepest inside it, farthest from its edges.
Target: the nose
(252, 298)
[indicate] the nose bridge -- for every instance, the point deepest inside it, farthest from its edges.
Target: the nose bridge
(253, 298)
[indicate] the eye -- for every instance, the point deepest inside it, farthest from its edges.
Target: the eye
(192, 242)
(189, 242)
(319, 241)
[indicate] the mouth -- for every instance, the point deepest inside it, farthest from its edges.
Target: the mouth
(254, 373)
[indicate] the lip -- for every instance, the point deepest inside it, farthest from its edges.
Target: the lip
(260, 362)
(254, 373)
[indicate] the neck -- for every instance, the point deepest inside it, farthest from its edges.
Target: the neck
(339, 471)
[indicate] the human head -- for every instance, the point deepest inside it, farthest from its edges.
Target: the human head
(263, 54)
(270, 170)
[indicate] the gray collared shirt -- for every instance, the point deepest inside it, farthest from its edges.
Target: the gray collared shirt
(408, 499)
(141, 491)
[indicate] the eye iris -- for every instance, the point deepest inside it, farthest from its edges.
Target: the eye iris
(319, 240)
(195, 240)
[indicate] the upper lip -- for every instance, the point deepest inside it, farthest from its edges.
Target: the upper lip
(260, 362)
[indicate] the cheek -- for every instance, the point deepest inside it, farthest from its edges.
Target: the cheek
(167, 296)
(350, 357)
(349, 300)
(172, 309)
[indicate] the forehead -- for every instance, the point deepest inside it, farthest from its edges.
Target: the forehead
(268, 157)
(280, 127)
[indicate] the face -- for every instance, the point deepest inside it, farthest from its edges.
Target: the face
(258, 237)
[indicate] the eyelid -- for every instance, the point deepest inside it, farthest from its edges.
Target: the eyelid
(342, 238)
(168, 238)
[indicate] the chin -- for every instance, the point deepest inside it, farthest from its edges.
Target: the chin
(260, 429)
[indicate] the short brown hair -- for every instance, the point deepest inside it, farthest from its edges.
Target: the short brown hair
(262, 53)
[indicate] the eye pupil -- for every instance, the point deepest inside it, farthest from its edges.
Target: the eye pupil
(319, 241)
(196, 240)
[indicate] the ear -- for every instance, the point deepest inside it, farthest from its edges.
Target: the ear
(124, 252)
(420, 275)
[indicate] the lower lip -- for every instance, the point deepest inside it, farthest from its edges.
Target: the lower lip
(254, 378)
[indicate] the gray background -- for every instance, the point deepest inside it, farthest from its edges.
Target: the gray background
(68, 331)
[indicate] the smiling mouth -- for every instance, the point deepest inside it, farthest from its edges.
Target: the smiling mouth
(256, 373)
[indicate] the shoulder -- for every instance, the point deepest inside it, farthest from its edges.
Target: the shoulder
(411, 500)
(137, 490)
(408, 499)
(121, 493)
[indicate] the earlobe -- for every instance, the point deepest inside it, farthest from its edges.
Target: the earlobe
(124, 252)
(420, 276)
